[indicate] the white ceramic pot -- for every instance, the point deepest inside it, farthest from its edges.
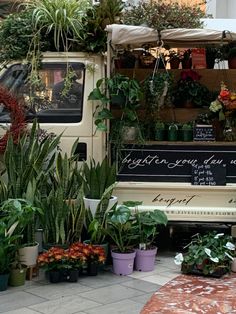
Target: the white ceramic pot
(92, 204)
(28, 255)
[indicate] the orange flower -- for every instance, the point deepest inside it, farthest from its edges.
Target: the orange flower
(224, 94)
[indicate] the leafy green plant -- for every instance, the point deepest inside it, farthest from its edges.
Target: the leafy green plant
(97, 177)
(27, 161)
(16, 34)
(60, 17)
(22, 213)
(67, 174)
(108, 90)
(93, 36)
(8, 246)
(160, 125)
(158, 92)
(190, 89)
(206, 253)
(120, 227)
(163, 14)
(187, 126)
(98, 223)
(76, 218)
(146, 224)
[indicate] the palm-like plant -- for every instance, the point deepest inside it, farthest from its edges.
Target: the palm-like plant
(60, 17)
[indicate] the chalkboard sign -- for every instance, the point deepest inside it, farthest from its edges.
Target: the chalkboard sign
(208, 174)
(173, 162)
(203, 133)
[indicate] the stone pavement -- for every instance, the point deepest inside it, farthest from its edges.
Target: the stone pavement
(105, 293)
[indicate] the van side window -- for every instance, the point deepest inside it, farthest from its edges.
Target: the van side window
(55, 96)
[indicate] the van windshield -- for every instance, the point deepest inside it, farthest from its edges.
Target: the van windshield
(54, 95)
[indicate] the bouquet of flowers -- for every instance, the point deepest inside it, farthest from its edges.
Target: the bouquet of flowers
(225, 104)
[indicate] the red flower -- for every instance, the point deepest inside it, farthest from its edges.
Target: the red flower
(18, 123)
(190, 75)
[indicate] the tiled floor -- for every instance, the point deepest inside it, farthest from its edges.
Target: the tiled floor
(102, 294)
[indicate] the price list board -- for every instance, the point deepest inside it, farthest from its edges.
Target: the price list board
(209, 174)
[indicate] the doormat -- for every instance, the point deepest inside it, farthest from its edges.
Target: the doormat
(188, 294)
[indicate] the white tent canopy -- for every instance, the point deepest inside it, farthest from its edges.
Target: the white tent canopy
(134, 36)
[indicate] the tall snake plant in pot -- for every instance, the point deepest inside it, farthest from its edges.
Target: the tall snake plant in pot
(63, 201)
(97, 178)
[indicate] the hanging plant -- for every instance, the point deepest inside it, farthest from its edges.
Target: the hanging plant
(18, 123)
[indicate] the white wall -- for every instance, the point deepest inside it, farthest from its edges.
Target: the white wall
(221, 8)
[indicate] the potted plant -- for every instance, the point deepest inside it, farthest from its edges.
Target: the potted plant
(146, 227)
(174, 59)
(23, 213)
(173, 132)
(158, 94)
(93, 256)
(61, 264)
(189, 92)
(8, 250)
(159, 130)
(186, 59)
(97, 178)
(97, 222)
(187, 132)
(126, 93)
(120, 230)
(209, 254)
(17, 274)
(211, 54)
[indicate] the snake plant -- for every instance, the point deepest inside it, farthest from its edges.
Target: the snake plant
(97, 177)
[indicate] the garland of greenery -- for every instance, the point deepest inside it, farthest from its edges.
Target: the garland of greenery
(18, 123)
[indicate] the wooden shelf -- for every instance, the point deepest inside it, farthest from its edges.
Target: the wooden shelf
(209, 77)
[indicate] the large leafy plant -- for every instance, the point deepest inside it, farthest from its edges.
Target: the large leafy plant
(146, 226)
(120, 228)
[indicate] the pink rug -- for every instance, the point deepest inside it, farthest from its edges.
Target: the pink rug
(188, 294)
